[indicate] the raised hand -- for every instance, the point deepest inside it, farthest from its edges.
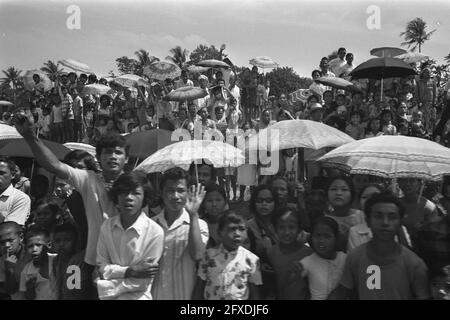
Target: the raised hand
(195, 197)
(144, 270)
(23, 124)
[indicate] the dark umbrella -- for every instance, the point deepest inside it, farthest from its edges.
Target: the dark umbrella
(19, 148)
(380, 68)
(338, 83)
(388, 52)
(186, 94)
(144, 143)
(213, 63)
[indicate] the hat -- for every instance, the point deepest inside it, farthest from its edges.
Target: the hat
(203, 77)
(315, 106)
(341, 109)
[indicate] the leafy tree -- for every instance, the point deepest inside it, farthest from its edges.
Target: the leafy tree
(126, 65)
(203, 52)
(135, 66)
(12, 76)
(416, 34)
(286, 80)
(51, 69)
(447, 58)
(179, 56)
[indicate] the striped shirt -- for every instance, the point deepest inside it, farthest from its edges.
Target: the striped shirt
(177, 270)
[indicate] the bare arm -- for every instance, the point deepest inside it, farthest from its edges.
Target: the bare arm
(199, 289)
(43, 155)
(195, 243)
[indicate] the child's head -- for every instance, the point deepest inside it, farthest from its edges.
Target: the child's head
(287, 225)
(386, 116)
(340, 191)
(342, 112)
(357, 98)
(374, 125)
(384, 212)
(328, 97)
(312, 99)
(37, 242)
(324, 237)
(316, 74)
(131, 192)
(281, 188)
(367, 192)
(11, 238)
(46, 215)
(417, 116)
(65, 238)
(203, 112)
(263, 200)
(232, 230)
(206, 173)
(355, 118)
(340, 99)
(214, 203)
(233, 104)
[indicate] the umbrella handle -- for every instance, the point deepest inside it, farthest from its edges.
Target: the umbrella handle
(196, 171)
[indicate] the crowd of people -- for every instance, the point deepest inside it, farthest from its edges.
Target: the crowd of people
(99, 231)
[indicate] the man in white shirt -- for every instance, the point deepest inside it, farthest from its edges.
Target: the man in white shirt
(337, 63)
(185, 240)
(235, 91)
(324, 68)
(14, 204)
(184, 81)
(345, 70)
(203, 102)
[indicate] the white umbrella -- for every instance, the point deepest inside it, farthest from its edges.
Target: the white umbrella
(392, 157)
(413, 57)
(130, 80)
(263, 62)
(44, 84)
(71, 65)
(8, 132)
(81, 146)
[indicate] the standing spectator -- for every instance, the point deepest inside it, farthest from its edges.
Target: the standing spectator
(426, 97)
(184, 80)
(19, 181)
(348, 67)
(78, 112)
(337, 63)
(14, 204)
(185, 237)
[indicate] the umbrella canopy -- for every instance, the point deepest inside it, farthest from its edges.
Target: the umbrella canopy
(263, 62)
(4, 103)
(299, 134)
(338, 83)
(197, 69)
(81, 146)
(8, 132)
(413, 57)
(182, 154)
(379, 68)
(131, 80)
(70, 65)
(387, 52)
(19, 148)
(96, 89)
(145, 143)
(300, 95)
(392, 157)
(43, 84)
(212, 63)
(186, 94)
(162, 70)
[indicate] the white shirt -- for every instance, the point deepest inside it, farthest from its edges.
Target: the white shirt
(45, 288)
(180, 83)
(236, 92)
(119, 249)
(177, 270)
(345, 70)
(14, 206)
(99, 206)
(336, 64)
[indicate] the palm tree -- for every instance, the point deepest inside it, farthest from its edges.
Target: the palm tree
(51, 69)
(143, 58)
(447, 58)
(416, 34)
(12, 76)
(179, 56)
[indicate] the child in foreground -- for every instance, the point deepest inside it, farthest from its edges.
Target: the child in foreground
(229, 271)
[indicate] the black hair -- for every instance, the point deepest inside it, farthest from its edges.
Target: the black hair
(168, 80)
(324, 58)
(371, 185)
(12, 224)
(340, 95)
(329, 222)
(213, 170)
(284, 212)
(228, 217)
(384, 197)
(11, 164)
(92, 78)
(173, 174)
(80, 155)
(356, 112)
(311, 97)
(112, 140)
(53, 208)
(349, 54)
(347, 180)
(357, 93)
(67, 228)
(314, 71)
(256, 191)
(209, 188)
(36, 230)
(130, 181)
(341, 49)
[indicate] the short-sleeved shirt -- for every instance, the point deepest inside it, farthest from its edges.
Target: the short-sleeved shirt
(57, 114)
(22, 259)
(14, 206)
(287, 287)
(229, 273)
(97, 203)
(403, 278)
(45, 288)
(177, 270)
(323, 274)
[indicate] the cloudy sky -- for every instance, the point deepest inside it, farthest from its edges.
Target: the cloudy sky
(294, 33)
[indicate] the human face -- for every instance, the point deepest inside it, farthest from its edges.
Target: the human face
(287, 229)
(204, 174)
(356, 119)
(204, 114)
(339, 194)
(409, 186)
(324, 64)
(312, 101)
(264, 203)
(174, 195)
(169, 86)
(283, 100)
(233, 235)
(328, 97)
(110, 124)
(266, 117)
(113, 160)
(315, 75)
(324, 241)
(5, 176)
(36, 246)
(10, 241)
(45, 217)
(375, 125)
(64, 243)
(281, 189)
(357, 100)
(131, 202)
(214, 204)
(219, 113)
(316, 115)
(387, 118)
(349, 59)
(384, 221)
(340, 100)
(203, 83)
(368, 192)
(342, 54)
